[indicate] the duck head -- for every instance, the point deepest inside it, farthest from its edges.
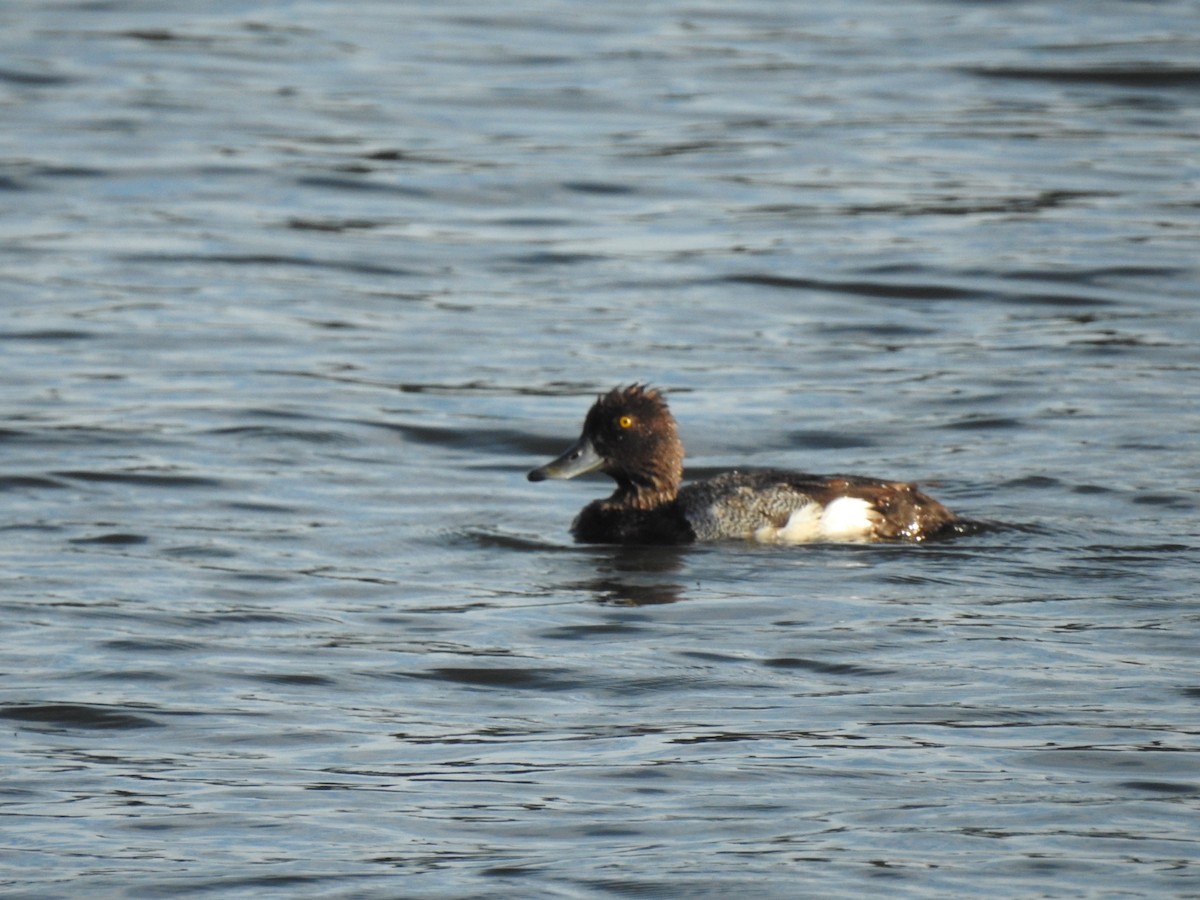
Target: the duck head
(631, 436)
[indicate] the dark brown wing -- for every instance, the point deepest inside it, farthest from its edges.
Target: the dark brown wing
(906, 513)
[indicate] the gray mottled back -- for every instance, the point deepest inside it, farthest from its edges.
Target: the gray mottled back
(737, 504)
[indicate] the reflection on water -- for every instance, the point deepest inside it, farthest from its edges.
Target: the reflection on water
(294, 298)
(639, 576)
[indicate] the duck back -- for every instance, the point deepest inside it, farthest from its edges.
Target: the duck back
(796, 507)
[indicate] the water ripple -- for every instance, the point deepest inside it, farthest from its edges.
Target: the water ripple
(292, 307)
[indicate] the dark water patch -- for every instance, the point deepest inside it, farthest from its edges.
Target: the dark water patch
(504, 540)
(1065, 300)
(325, 572)
(335, 226)
(1089, 275)
(170, 36)
(827, 440)
(267, 412)
(239, 617)
(260, 507)
(14, 184)
(295, 680)
(1145, 444)
(134, 676)
(917, 580)
(599, 187)
(675, 886)
(393, 155)
(71, 172)
(1170, 788)
(732, 736)
(680, 148)
(587, 632)
(151, 645)
(1122, 759)
(151, 35)
(213, 551)
(1108, 338)
(288, 435)
(494, 677)
(982, 423)
(534, 222)
(859, 288)
(77, 716)
(307, 884)
(1144, 75)
(53, 335)
(963, 206)
(1166, 501)
(1040, 482)
(488, 438)
(78, 435)
(465, 387)
(141, 479)
(586, 389)
(27, 482)
(621, 684)
(825, 668)
(34, 79)
(886, 330)
(903, 291)
(359, 185)
(115, 539)
(1137, 552)
(618, 594)
(553, 258)
(709, 657)
(406, 387)
(269, 260)
(511, 871)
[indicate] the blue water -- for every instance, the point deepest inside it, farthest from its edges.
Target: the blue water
(294, 294)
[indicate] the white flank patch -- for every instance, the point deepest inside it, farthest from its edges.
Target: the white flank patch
(845, 519)
(804, 524)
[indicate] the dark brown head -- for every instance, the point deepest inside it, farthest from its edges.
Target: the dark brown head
(630, 435)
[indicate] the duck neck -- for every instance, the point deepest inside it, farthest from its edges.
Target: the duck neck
(641, 496)
(647, 490)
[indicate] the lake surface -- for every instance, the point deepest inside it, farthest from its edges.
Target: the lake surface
(294, 294)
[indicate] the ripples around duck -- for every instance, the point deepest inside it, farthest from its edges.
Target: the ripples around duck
(294, 298)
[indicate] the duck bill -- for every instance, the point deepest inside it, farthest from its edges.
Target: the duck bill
(579, 460)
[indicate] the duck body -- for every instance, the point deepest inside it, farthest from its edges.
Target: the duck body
(630, 434)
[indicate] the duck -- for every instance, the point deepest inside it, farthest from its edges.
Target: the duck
(630, 435)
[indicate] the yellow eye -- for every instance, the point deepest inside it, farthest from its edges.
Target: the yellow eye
(625, 421)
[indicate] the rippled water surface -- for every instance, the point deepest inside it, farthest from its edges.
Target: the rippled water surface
(294, 294)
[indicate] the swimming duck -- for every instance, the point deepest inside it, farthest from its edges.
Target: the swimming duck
(631, 436)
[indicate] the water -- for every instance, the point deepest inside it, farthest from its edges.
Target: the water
(295, 294)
